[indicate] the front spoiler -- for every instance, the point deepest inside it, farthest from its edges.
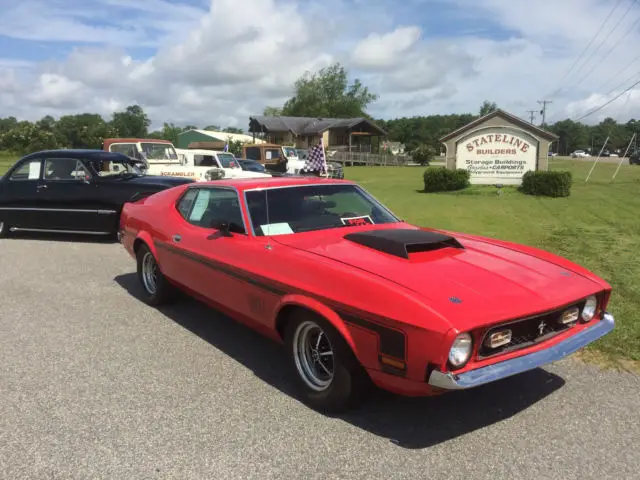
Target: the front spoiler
(498, 371)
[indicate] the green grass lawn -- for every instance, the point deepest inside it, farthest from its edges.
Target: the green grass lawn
(598, 226)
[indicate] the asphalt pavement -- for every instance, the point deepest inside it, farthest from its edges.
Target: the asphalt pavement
(95, 384)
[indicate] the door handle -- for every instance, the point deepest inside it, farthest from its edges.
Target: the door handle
(41, 186)
(176, 238)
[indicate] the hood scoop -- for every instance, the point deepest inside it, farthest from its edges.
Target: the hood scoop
(401, 242)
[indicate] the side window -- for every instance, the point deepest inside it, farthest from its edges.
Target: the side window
(253, 153)
(29, 170)
(204, 161)
(186, 202)
(210, 206)
(64, 169)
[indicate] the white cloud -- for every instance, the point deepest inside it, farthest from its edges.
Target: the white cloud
(219, 62)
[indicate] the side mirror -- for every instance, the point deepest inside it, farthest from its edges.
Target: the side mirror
(223, 228)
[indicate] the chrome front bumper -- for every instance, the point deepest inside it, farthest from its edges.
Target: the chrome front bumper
(498, 371)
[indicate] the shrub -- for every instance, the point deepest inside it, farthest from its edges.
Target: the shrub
(423, 154)
(548, 184)
(439, 179)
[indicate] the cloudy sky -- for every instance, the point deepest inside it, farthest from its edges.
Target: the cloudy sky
(218, 61)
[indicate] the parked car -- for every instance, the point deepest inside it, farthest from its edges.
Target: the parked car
(634, 158)
(73, 191)
(358, 296)
(252, 166)
(579, 154)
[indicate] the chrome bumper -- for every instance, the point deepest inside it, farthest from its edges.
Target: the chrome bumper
(498, 371)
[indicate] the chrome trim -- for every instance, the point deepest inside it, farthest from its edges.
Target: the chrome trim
(43, 230)
(508, 368)
(72, 210)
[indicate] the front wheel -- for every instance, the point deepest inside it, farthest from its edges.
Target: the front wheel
(328, 375)
(157, 290)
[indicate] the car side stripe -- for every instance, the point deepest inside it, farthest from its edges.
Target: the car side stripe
(392, 341)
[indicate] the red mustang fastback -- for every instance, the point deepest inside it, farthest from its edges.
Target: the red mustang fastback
(358, 296)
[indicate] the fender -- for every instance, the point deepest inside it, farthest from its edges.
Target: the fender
(319, 308)
(146, 238)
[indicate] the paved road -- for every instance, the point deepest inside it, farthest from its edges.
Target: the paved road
(94, 384)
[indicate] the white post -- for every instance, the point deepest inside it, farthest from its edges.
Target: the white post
(622, 159)
(594, 163)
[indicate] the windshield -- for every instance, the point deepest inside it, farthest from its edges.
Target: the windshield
(114, 168)
(313, 207)
(159, 151)
(228, 160)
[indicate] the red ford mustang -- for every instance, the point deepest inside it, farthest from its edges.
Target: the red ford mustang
(358, 296)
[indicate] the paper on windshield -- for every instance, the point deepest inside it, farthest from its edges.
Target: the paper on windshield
(34, 170)
(276, 229)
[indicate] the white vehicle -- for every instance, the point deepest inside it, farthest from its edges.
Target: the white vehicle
(160, 157)
(579, 153)
(204, 165)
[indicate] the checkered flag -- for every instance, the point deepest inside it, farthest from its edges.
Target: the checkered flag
(316, 160)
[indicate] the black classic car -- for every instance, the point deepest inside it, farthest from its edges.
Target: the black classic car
(634, 158)
(73, 191)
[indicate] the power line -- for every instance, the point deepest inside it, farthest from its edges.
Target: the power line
(544, 109)
(531, 115)
(619, 72)
(586, 48)
(614, 45)
(607, 103)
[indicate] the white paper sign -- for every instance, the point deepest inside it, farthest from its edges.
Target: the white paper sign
(200, 206)
(268, 155)
(34, 170)
(276, 229)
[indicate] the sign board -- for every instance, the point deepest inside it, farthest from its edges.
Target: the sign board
(499, 155)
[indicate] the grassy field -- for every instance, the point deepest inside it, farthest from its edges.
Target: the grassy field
(597, 227)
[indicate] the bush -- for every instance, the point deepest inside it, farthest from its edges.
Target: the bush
(423, 154)
(548, 184)
(439, 179)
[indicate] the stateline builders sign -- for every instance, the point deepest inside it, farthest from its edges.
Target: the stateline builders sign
(497, 156)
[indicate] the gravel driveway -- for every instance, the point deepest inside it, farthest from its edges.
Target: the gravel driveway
(95, 384)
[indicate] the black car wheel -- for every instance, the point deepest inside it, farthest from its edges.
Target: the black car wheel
(157, 290)
(328, 375)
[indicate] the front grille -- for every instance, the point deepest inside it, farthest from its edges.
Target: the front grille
(527, 332)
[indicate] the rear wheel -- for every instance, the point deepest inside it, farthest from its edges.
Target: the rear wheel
(157, 290)
(328, 375)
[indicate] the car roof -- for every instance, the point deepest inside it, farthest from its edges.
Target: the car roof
(79, 153)
(273, 182)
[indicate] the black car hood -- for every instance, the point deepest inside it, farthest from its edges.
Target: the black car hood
(159, 180)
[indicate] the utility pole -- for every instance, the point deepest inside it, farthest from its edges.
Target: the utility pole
(543, 112)
(531, 115)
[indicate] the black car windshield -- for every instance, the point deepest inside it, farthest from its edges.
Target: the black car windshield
(313, 207)
(115, 168)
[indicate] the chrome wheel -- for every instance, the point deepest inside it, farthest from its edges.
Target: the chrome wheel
(149, 273)
(313, 356)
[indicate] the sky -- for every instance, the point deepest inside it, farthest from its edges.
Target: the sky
(207, 62)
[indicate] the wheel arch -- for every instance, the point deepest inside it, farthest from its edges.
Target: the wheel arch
(299, 303)
(144, 238)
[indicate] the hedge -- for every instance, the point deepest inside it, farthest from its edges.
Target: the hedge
(439, 179)
(548, 184)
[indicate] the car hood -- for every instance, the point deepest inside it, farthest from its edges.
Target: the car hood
(473, 284)
(158, 180)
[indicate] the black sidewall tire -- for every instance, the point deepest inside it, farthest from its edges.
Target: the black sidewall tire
(165, 292)
(350, 381)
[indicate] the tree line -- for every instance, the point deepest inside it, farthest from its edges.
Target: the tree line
(326, 93)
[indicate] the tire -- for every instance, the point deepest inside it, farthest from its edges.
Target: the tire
(157, 291)
(348, 383)
(4, 229)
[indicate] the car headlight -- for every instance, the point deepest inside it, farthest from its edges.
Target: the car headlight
(589, 310)
(460, 350)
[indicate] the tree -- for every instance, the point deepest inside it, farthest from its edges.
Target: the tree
(487, 107)
(232, 130)
(86, 130)
(272, 111)
(327, 93)
(423, 154)
(133, 122)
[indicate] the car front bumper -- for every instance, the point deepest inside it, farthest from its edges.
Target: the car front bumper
(508, 368)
